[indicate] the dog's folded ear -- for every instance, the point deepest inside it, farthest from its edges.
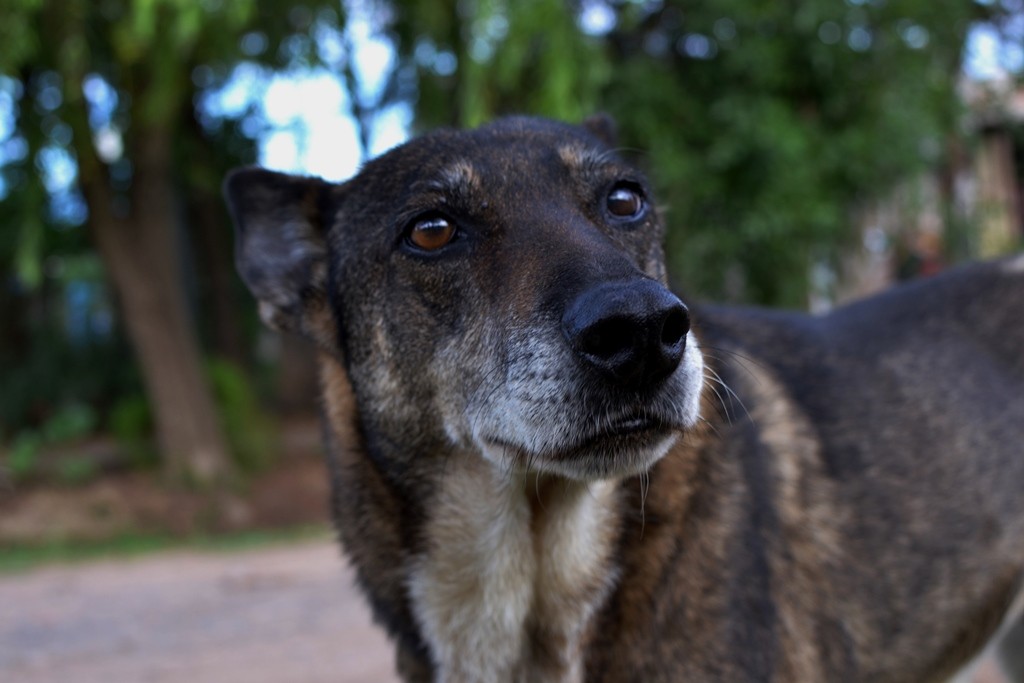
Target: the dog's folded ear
(280, 248)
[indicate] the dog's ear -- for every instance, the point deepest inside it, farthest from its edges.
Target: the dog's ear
(602, 126)
(280, 246)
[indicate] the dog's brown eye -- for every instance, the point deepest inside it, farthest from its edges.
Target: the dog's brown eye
(430, 234)
(625, 202)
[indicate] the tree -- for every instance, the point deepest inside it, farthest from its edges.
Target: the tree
(764, 124)
(111, 85)
(480, 59)
(774, 120)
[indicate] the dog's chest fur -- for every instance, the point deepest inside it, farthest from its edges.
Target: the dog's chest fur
(511, 571)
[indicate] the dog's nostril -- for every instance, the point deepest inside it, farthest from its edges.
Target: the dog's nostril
(675, 327)
(607, 337)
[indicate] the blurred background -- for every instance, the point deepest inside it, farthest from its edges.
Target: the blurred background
(806, 153)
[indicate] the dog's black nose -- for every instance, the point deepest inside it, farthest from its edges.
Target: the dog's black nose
(633, 333)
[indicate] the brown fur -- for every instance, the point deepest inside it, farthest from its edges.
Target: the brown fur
(846, 508)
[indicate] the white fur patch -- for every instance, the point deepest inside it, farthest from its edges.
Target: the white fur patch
(490, 571)
(472, 590)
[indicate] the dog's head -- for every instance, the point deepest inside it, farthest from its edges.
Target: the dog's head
(499, 290)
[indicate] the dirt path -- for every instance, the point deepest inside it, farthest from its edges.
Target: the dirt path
(287, 614)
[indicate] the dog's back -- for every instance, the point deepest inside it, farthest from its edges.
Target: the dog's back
(932, 370)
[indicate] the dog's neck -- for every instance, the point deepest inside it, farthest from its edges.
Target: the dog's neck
(512, 569)
(507, 569)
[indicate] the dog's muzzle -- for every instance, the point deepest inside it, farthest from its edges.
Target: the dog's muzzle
(631, 333)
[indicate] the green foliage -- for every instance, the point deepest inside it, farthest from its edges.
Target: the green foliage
(249, 430)
(75, 471)
(483, 58)
(765, 124)
(131, 70)
(73, 421)
(23, 454)
(18, 41)
(131, 422)
(28, 261)
(47, 370)
(18, 558)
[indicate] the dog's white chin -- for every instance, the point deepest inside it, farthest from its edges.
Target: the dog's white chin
(595, 463)
(543, 421)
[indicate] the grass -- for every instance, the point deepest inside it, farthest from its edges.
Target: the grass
(21, 558)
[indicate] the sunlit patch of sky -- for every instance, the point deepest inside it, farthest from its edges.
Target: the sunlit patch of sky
(596, 18)
(102, 98)
(304, 118)
(306, 114)
(233, 98)
(390, 128)
(989, 55)
(59, 169)
(10, 91)
(12, 147)
(373, 56)
(301, 118)
(310, 128)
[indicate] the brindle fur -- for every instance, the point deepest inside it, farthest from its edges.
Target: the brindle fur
(848, 508)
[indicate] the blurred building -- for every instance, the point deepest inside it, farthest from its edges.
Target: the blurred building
(970, 205)
(996, 194)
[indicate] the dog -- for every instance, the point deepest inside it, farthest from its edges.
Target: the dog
(547, 467)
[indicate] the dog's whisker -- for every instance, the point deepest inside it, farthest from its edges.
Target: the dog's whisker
(715, 377)
(707, 423)
(721, 404)
(645, 485)
(742, 359)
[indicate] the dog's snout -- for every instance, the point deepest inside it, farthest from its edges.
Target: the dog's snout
(632, 333)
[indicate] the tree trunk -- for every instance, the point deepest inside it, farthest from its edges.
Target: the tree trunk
(222, 297)
(141, 253)
(220, 304)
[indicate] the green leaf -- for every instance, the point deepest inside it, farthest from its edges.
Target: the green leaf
(28, 257)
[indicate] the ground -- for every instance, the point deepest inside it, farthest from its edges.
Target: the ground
(281, 614)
